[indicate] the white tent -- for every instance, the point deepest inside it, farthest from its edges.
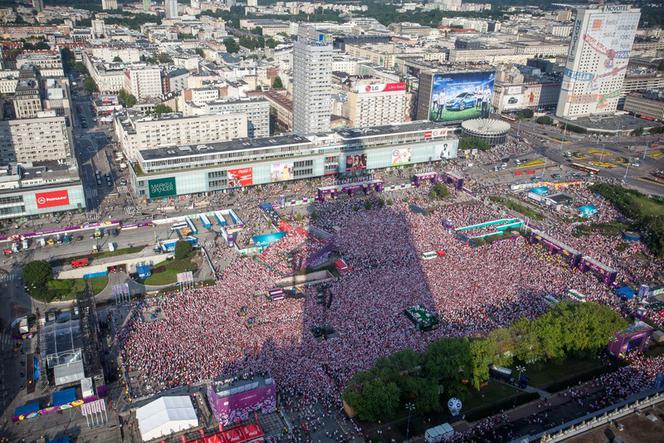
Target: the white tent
(165, 416)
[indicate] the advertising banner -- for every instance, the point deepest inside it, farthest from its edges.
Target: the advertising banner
(240, 177)
(52, 198)
(461, 96)
(162, 187)
(281, 171)
(356, 162)
(401, 156)
(382, 87)
(514, 101)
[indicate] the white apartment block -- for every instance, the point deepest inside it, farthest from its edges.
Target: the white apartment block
(109, 53)
(136, 132)
(256, 109)
(109, 77)
(312, 81)
(171, 8)
(109, 4)
(597, 61)
(376, 104)
(35, 139)
(143, 82)
(44, 60)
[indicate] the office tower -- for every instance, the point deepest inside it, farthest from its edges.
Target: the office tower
(312, 79)
(146, 5)
(597, 60)
(107, 5)
(171, 7)
(38, 5)
(143, 83)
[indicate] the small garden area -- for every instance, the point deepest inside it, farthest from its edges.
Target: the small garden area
(67, 289)
(518, 207)
(40, 284)
(166, 272)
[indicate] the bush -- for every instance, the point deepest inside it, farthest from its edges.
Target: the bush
(36, 275)
(525, 113)
(544, 120)
(182, 249)
(439, 192)
(473, 143)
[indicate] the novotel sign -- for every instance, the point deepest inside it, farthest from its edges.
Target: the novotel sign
(383, 87)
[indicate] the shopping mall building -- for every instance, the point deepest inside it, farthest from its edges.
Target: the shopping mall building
(198, 169)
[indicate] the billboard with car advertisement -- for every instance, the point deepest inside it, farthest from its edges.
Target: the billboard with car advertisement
(281, 171)
(162, 187)
(401, 156)
(240, 177)
(356, 162)
(461, 96)
(52, 199)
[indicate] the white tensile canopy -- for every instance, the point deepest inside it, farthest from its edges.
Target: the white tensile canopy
(165, 416)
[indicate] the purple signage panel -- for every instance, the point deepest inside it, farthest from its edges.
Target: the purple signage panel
(237, 407)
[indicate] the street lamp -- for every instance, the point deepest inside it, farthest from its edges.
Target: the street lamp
(410, 407)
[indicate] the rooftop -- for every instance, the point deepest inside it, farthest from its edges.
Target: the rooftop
(229, 146)
(390, 129)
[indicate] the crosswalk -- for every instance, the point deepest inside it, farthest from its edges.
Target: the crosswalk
(6, 342)
(9, 277)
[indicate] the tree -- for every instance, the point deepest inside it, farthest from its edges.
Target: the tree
(544, 120)
(473, 143)
(36, 275)
(439, 192)
(127, 99)
(271, 43)
(231, 45)
(525, 113)
(163, 57)
(162, 109)
(90, 85)
(182, 249)
(68, 59)
(200, 52)
(277, 84)
(117, 59)
(375, 401)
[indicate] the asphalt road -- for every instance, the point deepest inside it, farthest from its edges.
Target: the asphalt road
(552, 144)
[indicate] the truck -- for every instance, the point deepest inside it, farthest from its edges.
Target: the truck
(439, 433)
(111, 246)
(80, 263)
(25, 244)
(169, 245)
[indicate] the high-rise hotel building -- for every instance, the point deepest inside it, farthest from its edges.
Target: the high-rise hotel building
(597, 61)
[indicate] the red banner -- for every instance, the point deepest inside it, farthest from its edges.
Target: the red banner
(240, 177)
(52, 198)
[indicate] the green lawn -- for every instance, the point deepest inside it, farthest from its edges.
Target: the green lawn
(98, 255)
(544, 374)
(166, 272)
(606, 229)
(518, 207)
(491, 393)
(66, 289)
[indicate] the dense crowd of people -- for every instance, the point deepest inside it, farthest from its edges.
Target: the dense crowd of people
(232, 327)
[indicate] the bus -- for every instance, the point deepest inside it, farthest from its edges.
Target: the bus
(589, 169)
(576, 295)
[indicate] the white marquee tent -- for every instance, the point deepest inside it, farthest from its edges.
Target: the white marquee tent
(165, 416)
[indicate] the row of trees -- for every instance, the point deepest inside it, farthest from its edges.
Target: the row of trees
(647, 213)
(450, 366)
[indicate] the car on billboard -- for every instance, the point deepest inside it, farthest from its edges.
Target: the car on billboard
(513, 100)
(462, 101)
